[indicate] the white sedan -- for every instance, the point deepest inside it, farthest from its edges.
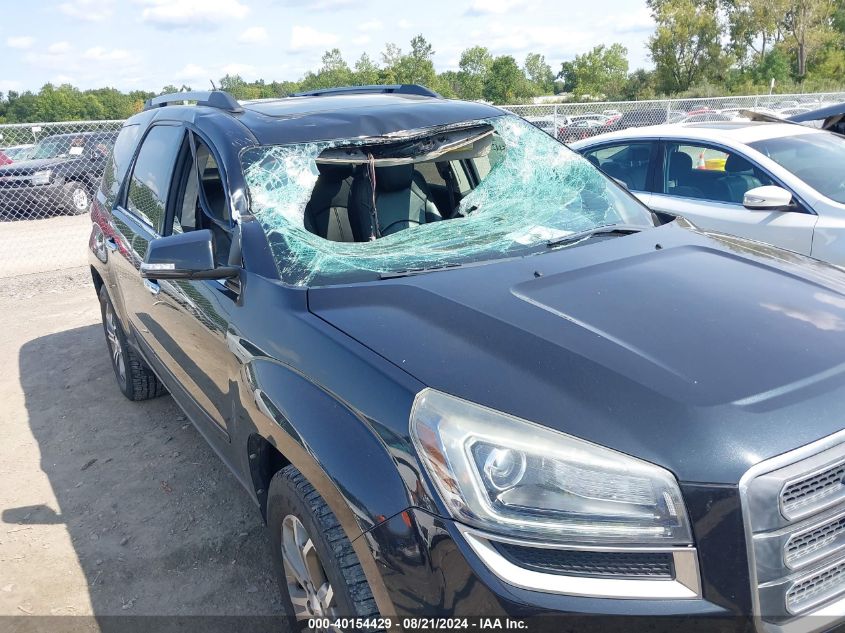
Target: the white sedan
(779, 183)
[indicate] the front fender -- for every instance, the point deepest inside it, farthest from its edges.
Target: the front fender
(333, 446)
(352, 468)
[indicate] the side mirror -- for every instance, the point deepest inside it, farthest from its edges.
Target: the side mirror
(769, 198)
(184, 256)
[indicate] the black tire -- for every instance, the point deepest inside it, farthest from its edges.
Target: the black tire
(291, 495)
(77, 198)
(135, 379)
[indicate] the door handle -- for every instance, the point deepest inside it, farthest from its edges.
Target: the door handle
(152, 286)
(111, 244)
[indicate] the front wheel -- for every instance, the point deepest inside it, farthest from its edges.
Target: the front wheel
(77, 197)
(318, 571)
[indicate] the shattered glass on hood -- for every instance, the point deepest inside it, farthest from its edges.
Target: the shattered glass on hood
(536, 190)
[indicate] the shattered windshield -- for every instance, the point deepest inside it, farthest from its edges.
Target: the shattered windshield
(353, 210)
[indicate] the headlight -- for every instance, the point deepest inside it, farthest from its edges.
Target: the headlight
(515, 478)
(41, 177)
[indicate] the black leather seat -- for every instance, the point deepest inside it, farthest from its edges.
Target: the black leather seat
(402, 200)
(327, 212)
(739, 177)
(680, 177)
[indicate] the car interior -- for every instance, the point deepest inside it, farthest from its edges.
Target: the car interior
(628, 164)
(687, 172)
(345, 206)
(726, 182)
(203, 204)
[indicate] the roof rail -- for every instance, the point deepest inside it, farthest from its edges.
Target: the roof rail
(212, 98)
(403, 89)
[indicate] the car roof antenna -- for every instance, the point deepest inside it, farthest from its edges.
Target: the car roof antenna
(213, 87)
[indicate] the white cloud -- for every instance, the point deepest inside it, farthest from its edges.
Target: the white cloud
(320, 5)
(6, 85)
(625, 23)
(361, 40)
(100, 54)
(192, 71)
(404, 24)
(61, 79)
(254, 35)
(169, 14)
(371, 25)
(58, 48)
(238, 69)
(21, 42)
(88, 10)
(554, 41)
(496, 7)
(303, 38)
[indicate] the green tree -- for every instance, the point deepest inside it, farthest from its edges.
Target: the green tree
(539, 73)
(566, 77)
(416, 67)
(474, 67)
(809, 27)
(639, 85)
(754, 28)
(601, 71)
(506, 83)
(686, 45)
(366, 71)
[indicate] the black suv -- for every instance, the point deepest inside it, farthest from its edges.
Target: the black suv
(463, 373)
(60, 175)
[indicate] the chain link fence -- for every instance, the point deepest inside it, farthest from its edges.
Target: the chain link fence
(575, 121)
(49, 172)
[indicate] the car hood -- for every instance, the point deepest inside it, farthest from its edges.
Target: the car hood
(27, 167)
(702, 353)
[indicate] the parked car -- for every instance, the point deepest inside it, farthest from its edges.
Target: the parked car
(4, 158)
(581, 129)
(551, 125)
(462, 372)
(643, 118)
(705, 117)
(59, 175)
(18, 152)
(831, 118)
(774, 182)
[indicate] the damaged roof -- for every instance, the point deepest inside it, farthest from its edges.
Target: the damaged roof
(308, 119)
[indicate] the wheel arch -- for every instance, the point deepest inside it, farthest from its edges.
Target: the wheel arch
(294, 421)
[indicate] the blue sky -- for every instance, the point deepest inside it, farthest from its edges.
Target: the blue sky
(147, 44)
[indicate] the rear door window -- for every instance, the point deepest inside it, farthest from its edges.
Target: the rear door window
(627, 162)
(152, 175)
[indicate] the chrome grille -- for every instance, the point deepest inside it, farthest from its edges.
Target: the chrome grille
(818, 588)
(794, 511)
(813, 543)
(813, 490)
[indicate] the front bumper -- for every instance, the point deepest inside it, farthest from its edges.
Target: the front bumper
(32, 201)
(430, 571)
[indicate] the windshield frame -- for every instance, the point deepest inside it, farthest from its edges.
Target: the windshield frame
(602, 195)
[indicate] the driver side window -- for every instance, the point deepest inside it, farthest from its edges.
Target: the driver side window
(202, 202)
(709, 173)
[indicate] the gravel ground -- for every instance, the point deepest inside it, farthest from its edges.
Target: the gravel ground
(35, 246)
(108, 507)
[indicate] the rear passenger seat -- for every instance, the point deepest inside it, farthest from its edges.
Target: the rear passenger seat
(327, 212)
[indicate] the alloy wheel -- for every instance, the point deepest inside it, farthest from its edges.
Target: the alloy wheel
(310, 591)
(80, 199)
(115, 348)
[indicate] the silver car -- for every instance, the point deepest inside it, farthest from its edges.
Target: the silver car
(772, 182)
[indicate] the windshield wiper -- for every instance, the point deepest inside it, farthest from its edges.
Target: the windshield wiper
(605, 229)
(416, 271)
